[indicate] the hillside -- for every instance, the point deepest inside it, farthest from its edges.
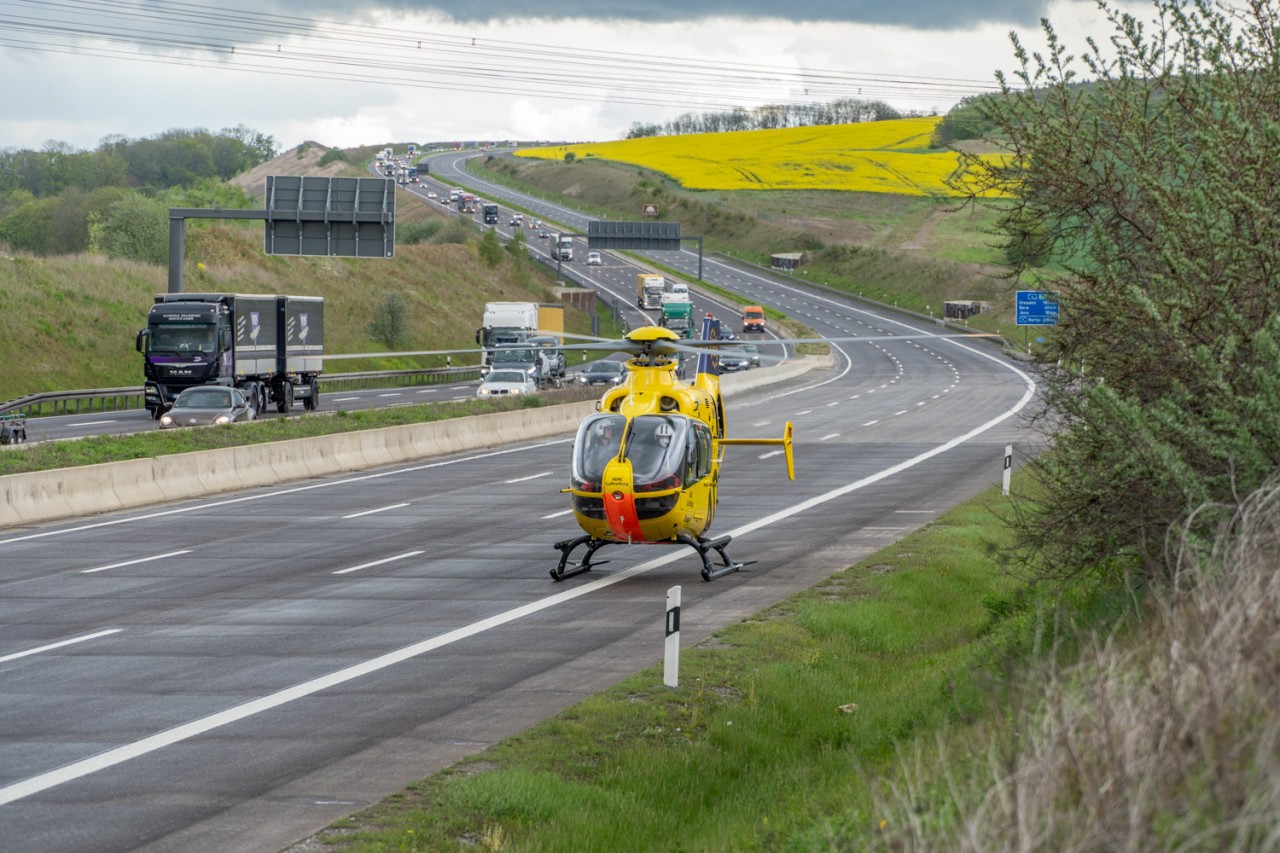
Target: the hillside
(302, 160)
(74, 317)
(912, 251)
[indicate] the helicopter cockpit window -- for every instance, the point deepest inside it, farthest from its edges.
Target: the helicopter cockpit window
(598, 441)
(698, 459)
(657, 449)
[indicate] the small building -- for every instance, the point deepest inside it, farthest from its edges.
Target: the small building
(787, 260)
(963, 309)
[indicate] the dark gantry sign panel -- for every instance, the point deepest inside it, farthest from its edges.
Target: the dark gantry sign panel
(657, 236)
(344, 217)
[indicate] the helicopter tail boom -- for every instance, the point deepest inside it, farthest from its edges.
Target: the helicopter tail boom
(785, 441)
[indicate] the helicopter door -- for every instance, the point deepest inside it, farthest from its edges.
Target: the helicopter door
(699, 473)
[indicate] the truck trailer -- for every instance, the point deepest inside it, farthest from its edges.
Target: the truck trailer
(507, 323)
(270, 347)
(649, 290)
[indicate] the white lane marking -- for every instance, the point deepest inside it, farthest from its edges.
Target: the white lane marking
(805, 412)
(343, 399)
(771, 453)
(829, 436)
(530, 477)
(406, 555)
(884, 528)
(871, 423)
(110, 758)
(913, 512)
(557, 514)
(428, 390)
(761, 423)
(903, 412)
(833, 403)
(391, 394)
(60, 644)
(90, 423)
(135, 562)
(372, 511)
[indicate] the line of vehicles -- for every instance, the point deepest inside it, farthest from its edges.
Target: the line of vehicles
(212, 358)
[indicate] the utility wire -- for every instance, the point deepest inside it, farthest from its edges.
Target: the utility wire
(190, 34)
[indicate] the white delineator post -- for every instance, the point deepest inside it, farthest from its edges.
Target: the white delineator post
(671, 656)
(1008, 467)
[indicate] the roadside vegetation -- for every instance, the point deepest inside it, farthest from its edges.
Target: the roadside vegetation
(92, 450)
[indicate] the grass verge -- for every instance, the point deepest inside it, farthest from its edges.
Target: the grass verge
(48, 455)
(780, 727)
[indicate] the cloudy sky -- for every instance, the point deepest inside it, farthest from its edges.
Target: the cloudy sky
(356, 72)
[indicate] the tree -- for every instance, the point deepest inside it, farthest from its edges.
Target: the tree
(135, 227)
(1153, 191)
(490, 248)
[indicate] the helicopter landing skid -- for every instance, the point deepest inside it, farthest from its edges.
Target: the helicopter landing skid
(719, 545)
(564, 570)
(702, 546)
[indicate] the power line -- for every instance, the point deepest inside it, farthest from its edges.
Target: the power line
(189, 34)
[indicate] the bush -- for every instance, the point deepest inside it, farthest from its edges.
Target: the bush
(390, 324)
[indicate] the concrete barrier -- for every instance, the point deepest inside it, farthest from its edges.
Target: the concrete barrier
(85, 490)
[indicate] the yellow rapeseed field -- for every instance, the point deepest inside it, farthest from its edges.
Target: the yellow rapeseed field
(878, 156)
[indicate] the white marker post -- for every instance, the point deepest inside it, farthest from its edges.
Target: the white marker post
(671, 657)
(1008, 467)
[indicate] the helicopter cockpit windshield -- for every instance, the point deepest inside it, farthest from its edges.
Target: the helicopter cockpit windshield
(598, 441)
(656, 448)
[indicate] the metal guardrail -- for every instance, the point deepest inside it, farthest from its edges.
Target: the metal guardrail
(119, 399)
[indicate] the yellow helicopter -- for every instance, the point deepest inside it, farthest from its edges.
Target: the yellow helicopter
(646, 466)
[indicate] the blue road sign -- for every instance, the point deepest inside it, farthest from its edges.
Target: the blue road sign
(1037, 308)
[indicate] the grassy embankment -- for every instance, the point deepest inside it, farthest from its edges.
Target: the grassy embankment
(70, 321)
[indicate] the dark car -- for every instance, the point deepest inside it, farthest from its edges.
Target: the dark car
(741, 357)
(207, 405)
(603, 372)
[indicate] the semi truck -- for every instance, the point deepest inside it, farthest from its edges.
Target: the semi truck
(561, 247)
(677, 315)
(270, 347)
(649, 290)
(507, 323)
(491, 214)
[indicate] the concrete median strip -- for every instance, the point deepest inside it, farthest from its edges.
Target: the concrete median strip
(70, 492)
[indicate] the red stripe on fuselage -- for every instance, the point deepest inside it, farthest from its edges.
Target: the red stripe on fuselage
(620, 510)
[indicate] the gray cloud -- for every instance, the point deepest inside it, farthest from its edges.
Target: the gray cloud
(915, 14)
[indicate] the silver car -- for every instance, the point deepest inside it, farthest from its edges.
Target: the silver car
(499, 382)
(207, 405)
